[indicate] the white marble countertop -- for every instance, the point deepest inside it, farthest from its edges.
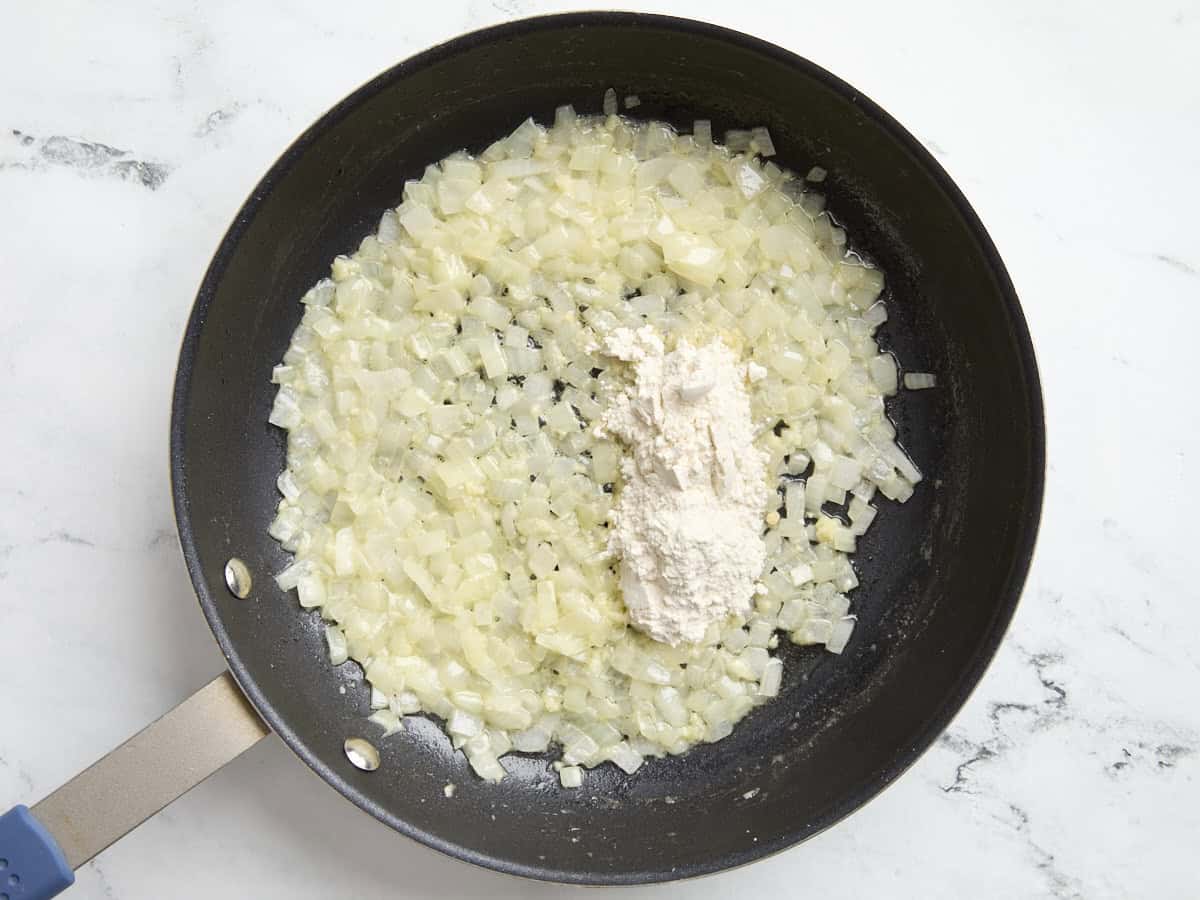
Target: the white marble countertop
(1074, 130)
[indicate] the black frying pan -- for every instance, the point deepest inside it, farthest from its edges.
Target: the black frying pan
(940, 574)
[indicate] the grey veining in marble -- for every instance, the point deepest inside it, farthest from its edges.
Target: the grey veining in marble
(24, 151)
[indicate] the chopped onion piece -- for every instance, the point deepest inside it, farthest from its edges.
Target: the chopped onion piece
(625, 757)
(840, 634)
(387, 720)
(610, 102)
(760, 141)
(336, 640)
(918, 381)
(772, 677)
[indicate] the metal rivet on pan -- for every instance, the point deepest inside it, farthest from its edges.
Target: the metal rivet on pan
(362, 754)
(237, 578)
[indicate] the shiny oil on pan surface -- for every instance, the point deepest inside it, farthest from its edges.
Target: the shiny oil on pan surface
(940, 574)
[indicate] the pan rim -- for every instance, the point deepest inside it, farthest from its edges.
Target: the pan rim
(968, 679)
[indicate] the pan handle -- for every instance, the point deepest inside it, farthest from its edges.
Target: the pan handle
(41, 847)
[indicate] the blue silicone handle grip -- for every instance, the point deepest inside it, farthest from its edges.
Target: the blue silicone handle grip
(32, 867)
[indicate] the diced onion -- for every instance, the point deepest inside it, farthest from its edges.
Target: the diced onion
(446, 492)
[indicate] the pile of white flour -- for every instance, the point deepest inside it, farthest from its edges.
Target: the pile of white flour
(689, 518)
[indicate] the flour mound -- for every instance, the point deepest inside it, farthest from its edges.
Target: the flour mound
(689, 518)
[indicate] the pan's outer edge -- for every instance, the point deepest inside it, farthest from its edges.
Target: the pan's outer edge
(179, 487)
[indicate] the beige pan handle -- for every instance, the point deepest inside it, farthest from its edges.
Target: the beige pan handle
(158, 764)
